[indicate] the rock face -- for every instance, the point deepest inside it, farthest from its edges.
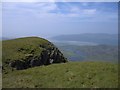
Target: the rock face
(49, 54)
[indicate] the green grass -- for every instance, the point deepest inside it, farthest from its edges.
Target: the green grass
(65, 75)
(28, 46)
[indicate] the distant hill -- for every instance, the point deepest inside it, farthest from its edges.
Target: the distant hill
(23, 53)
(6, 38)
(99, 38)
(105, 53)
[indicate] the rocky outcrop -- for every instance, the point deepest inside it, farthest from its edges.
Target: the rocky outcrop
(48, 55)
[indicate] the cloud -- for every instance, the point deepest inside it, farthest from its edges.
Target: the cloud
(44, 19)
(59, 10)
(60, 0)
(31, 8)
(89, 11)
(45, 7)
(75, 10)
(85, 4)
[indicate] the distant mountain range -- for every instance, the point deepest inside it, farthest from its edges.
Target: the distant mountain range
(99, 38)
(88, 46)
(5, 38)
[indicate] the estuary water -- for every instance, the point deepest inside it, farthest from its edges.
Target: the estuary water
(78, 43)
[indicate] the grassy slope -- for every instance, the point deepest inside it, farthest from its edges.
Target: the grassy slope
(67, 75)
(29, 44)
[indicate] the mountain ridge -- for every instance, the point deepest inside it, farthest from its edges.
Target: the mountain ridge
(100, 38)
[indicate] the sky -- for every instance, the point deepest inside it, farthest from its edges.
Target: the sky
(47, 19)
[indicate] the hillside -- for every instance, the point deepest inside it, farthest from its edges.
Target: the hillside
(98, 38)
(66, 75)
(89, 52)
(23, 53)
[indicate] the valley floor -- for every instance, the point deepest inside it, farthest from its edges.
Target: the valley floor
(65, 75)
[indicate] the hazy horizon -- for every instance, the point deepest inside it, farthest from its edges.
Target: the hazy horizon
(58, 18)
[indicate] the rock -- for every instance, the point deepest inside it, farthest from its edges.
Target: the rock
(17, 64)
(51, 61)
(35, 62)
(47, 57)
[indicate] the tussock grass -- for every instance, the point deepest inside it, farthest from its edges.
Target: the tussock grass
(65, 75)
